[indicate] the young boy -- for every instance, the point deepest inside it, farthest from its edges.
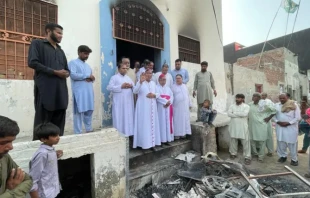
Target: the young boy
(14, 181)
(207, 115)
(43, 165)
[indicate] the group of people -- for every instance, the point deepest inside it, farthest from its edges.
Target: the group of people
(154, 108)
(251, 123)
(42, 180)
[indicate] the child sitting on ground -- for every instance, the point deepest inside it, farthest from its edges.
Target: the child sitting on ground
(43, 165)
(207, 115)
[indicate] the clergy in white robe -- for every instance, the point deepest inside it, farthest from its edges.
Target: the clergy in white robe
(123, 103)
(287, 118)
(146, 124)
(238, 128)
(181, 109)
(169, 79)
(82, 90)
(165, 110)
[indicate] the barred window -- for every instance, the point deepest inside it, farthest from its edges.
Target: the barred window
(189, 50)
(137, 23)
(20, 22)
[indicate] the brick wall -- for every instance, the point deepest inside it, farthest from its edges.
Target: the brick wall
(272, 64)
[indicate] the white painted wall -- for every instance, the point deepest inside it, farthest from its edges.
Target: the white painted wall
(16, 96)
(293, 77)
(195, 19)
(108, 158)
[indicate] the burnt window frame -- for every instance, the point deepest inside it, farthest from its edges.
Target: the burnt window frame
(189, 49)
(21, 21)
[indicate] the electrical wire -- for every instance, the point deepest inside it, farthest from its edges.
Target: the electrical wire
(288, 15)
(217, 26)
(294, 25)
(261, 54)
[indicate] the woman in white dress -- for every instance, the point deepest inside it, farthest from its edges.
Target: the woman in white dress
(181, 109)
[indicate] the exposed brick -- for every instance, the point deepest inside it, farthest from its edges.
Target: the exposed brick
(272, 64)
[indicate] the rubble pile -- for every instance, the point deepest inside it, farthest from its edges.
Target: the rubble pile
(216, 178)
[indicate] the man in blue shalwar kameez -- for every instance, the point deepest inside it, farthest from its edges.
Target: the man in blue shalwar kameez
(82, 90)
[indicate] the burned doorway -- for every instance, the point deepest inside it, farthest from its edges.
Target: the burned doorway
(134, 51)
(75, 177)
(139, 32)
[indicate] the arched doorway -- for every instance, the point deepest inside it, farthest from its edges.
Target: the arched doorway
(138, 31)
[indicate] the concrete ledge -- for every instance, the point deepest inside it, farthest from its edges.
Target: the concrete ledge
(108, 160)
(204, 138)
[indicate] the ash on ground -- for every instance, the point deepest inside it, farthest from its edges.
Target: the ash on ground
(280, 185)
(215, 178)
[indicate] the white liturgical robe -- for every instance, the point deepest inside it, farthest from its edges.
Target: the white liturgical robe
(146, 127)
(181, 112)
(165, 114)
(122, 105)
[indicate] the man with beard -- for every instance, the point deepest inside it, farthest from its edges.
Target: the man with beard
(50, 86)
(238, 128)
(203, 84)
(14, 181)
(287, 118)
(82, 80)
(259, 117)
(181, 71)
(269, 142)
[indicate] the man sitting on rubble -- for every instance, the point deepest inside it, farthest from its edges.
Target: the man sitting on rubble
(238, 128)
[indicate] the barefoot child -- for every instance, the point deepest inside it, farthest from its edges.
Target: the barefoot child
(43, 165)
(207, 115)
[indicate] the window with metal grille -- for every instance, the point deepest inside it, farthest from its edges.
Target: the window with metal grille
(189, 50)
(20, 22)
(137, 23)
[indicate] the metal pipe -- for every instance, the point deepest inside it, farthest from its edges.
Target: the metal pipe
(255, 189)
(297, 175)
(291, 194)
(270, 175)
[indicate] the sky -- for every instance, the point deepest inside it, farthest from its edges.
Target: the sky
(248, 21)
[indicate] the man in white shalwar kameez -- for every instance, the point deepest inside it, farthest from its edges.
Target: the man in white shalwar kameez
(238, 128)
(146, 124)
(269, 143)
(123, 103)
(165, 111)
(287, 118)
(82, 90)
(181, 109)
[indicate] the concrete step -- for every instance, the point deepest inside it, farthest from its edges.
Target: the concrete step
(138, 157)
(153, 173)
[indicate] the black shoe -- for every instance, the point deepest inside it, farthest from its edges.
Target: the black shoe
(293, 163)
(282, 159)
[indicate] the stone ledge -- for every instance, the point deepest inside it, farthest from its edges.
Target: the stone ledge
(204, 138)
(72, 145)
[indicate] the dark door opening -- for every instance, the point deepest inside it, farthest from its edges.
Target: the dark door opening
(75, 178)
(134, 51)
